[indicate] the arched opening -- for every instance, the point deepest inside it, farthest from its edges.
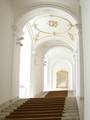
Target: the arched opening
(58, 69)
(49, 29)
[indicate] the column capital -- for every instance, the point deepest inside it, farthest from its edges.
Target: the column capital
(18, 32)
(78, 26)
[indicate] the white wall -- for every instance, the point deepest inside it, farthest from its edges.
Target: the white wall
(6, 40)
(85, 5)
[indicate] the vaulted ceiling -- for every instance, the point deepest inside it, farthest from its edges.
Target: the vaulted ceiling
(20, 7)
(54, 23)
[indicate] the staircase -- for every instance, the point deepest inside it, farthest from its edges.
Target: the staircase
(39, 109)
(54, 106)
(59, 94)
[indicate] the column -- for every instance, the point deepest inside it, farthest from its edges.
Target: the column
(16, 59)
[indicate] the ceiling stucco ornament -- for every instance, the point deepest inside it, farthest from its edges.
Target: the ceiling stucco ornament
(50, 24)
(53, 24)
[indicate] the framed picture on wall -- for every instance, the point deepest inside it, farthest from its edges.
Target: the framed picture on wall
(62, 79)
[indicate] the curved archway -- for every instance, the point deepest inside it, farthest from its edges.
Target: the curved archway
(41, 9)
(58, 59)
(40, 53)
(39, 49)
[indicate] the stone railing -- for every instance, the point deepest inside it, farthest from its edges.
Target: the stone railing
(8, 107)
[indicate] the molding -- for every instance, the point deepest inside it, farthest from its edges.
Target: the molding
(38, 5)
(17, 32)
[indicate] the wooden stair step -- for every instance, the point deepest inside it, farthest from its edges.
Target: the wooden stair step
(33, 115)
(38, 118)
(39, 109)
(32, 112)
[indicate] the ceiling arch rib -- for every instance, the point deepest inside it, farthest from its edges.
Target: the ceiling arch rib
(48, 44)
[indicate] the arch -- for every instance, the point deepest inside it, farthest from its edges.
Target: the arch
(34, 10)
(47, 44)
(50, 68)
